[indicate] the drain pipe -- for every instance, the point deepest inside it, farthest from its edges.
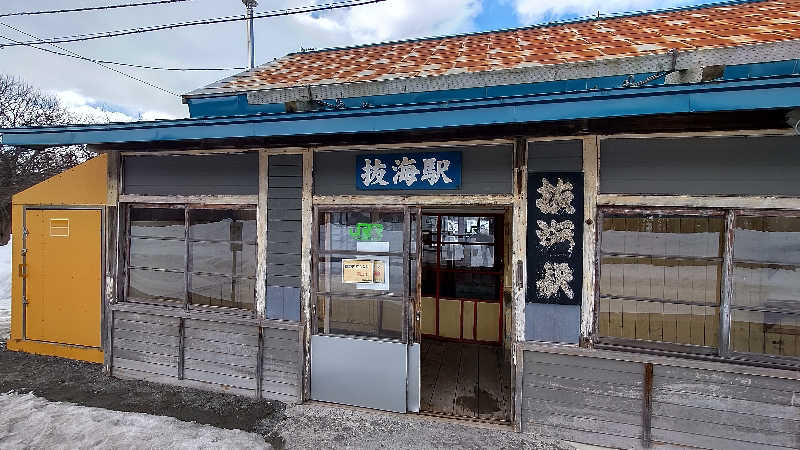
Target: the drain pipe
(250, 4)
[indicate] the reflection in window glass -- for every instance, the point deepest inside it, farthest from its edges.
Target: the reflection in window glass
(223, 225)
(649, 264)
(224, 258)
(229, 292)
(158, 253)
(157, 222)
(345, 230)
(221, 256)
(769, 239)
(765, 332)
(156, 285)
(658, 322)
(766, 285)
(695, 236)
(362, 317)
(689, 280)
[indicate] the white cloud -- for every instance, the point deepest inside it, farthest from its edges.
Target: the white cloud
(89, 110)
(396, 19)
(537, 11)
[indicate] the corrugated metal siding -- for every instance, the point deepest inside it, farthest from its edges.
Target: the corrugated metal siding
(701, 166)
(487, 169)
(284, 226)
(599, 401)
(217, 356)
(229, 174)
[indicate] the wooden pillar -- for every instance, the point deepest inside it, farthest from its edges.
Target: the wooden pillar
(591, 163)
(261, 234)
(519, 268)
(306, 269)
(111, 261)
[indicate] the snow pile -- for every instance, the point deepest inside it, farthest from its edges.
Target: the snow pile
(27, 421)
(5, 290)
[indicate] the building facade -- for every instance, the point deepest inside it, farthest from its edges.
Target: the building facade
(600, 250)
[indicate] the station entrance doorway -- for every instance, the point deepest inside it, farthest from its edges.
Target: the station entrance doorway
(465, 371)
(408, 311)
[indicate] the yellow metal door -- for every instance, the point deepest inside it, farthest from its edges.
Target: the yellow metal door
(62, 280)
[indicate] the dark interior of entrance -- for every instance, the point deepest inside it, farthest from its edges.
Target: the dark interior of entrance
(465, 369)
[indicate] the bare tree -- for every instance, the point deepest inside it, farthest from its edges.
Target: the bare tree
(22, 105)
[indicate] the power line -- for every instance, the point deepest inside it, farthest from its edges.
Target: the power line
(274, 13)
(90, 8)
(77, 56)
(117, 63)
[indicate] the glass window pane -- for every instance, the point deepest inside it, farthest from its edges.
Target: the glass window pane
(223, 224)
(691, 280)
(156, 285)
(222, 291)
(766, 286)
(468, 229)
(763, 332)
(357, 231)
(366, 317)
(227, 258)
(458, 256)
(158, 253)
(469, 285)
(663, 235)
(769, 239)
(660, 322)
(157, 222)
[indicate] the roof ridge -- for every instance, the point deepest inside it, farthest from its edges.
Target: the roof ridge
(585, 19)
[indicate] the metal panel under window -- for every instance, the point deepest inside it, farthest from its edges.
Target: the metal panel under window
(360, 372)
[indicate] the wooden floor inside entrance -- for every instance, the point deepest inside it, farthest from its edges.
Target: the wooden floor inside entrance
(466, 380)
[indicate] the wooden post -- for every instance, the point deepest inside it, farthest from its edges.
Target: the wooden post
(727, 286)
(110, 263)
(306, 270)
(647, 405)
(261, 233)
(591, 160)
(519, 267)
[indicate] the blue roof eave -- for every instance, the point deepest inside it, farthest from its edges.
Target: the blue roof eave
(733, 95)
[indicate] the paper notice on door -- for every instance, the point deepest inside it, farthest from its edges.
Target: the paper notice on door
(380, 266)
(357, 271)
(379, 272)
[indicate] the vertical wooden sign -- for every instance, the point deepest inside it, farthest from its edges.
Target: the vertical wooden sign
(555, 237)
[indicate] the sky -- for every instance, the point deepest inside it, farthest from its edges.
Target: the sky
(100, 94)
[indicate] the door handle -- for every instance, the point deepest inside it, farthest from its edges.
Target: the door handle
(22, 270)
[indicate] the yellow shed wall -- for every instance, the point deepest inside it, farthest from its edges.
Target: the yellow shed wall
(85, 185)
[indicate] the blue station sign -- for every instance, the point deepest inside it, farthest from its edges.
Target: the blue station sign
(408, 171)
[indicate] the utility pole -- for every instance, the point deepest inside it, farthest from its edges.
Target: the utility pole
(250, 4)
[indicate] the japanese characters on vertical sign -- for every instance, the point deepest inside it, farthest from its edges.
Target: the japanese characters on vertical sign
(408, 171)
(555, 237)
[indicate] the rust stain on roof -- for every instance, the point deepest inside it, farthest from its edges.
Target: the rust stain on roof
(654, 33)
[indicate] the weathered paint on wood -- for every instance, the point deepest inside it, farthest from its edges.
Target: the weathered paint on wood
(590, 188)
(596, 397)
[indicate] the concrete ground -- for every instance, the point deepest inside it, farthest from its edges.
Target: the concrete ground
(312, 425)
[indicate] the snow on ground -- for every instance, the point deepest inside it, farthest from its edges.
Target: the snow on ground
(5, 290)
(28, 421)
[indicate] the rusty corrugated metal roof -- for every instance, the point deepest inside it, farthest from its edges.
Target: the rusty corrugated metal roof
(715, 26)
